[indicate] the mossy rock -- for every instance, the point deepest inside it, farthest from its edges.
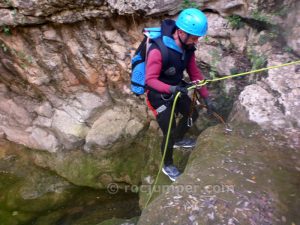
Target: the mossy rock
(151, 167)
(26, 190)
(243, 177)
(97, 169)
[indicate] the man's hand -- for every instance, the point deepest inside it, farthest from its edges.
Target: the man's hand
(176, 89)
(209, 105)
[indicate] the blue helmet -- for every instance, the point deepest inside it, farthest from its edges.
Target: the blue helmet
(192, 21)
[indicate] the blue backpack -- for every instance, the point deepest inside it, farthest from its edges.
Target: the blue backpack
(138, 62)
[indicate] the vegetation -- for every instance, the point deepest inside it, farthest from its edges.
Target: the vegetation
(189, 4)
(215, 59)
(287, 49)
(257, 60)
(6, 30)
(21, 55)
(8, 3)
(235, 21)
(260, 16)
(206, 39)
(271, 35)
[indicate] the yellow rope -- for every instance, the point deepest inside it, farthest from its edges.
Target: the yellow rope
(254, 71)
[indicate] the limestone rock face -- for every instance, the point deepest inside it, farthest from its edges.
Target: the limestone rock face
(115, 125)
(57, 81)
(273, 102)
(67, 69)
(65, 89)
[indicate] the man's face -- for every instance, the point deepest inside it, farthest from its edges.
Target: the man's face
(191, 40)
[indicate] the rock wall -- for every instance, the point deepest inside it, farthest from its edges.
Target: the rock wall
(64, 89)
(65, 64)
(59, 75)
(64, 68)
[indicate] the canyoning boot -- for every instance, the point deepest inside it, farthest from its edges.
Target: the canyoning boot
(185, 143)
(171, 171)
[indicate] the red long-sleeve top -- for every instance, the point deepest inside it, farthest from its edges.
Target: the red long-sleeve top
(153, 70)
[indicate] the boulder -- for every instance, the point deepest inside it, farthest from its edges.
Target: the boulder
(71, 130)
(273, 103)
(26, 190)
(117, 125)
(243, 177)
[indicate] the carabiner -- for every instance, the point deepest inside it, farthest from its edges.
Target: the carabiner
(190, 122)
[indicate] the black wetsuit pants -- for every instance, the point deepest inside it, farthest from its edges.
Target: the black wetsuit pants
(162, 103)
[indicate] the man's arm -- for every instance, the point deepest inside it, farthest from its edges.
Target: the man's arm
(153, 69)
(195, 74)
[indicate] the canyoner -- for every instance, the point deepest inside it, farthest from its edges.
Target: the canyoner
(157, 70)
(170, 54)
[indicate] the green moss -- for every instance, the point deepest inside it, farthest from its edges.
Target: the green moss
(94, 169)
(35, 195)
(7, 218)
(78, 168)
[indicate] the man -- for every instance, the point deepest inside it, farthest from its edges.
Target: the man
(163, 84)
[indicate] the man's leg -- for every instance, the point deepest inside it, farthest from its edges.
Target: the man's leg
(163, 109)
(163, 121)
(184, 107)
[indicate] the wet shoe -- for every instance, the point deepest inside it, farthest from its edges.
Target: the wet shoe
(171, 171)
(185, 143)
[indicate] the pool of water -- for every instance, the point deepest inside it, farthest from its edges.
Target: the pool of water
(90, 207)
(31, 195)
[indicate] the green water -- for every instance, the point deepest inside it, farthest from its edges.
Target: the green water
(32, 195)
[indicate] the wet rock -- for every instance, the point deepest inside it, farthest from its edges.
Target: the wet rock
(22, 183)
(82, 58)
(31, 194)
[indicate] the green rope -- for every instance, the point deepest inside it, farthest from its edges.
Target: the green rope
(197, 85)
